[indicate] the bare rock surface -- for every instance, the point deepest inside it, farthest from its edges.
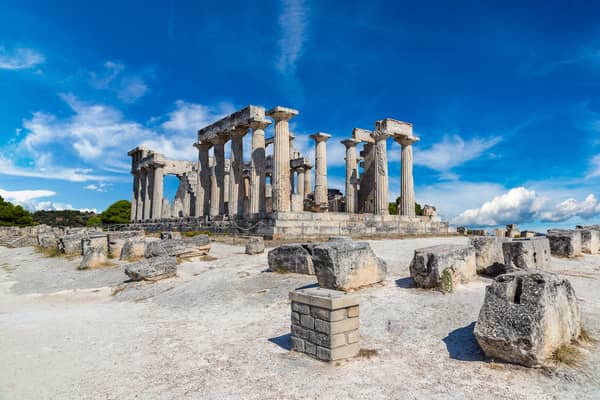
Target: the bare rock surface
(347, 265)
(133, 249)
(590, 241)
(94, 257)
(294, 258)
(565, 243)
(443, 266)
(71, 244)
(488, 254)
(526, 253)
(154, 268)
(185, 248)
(526, 315)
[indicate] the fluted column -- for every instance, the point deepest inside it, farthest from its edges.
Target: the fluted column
(381, 173)
(236, 192)
(219, 192)
(257, 168)
(214, 192)
(407, 188)
(146, 203)
(157, 190)
(307, 180)
(300, 175)
(281, 158)
(320, 139)
(351, 174)
(203, 193)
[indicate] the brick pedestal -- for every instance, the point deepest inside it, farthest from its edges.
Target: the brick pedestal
(325, 323)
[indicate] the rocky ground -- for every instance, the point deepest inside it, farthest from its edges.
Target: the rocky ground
(220, 329)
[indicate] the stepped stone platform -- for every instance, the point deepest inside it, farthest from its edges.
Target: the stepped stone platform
(302, 225)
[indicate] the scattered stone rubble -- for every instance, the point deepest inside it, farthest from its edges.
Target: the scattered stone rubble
(526, 253)
(133, 249)
(295, 258)
(564, 242)
(151, 269)
(590, 240)
(255, 245)
(526, 315)
(183, 249)
(94, 257)
(489, 258)
(443, 266)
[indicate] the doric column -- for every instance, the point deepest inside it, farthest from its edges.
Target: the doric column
(146, 203)
(407, 188)
(214, 192)
(257, 167)
(320, 139)
(307, 180)
(219, 192)
(157, 190)
(300, 171)
(236, 192)
(134, 197)
(281, 158)
(351, 174)
(381, 173)
(203, 194)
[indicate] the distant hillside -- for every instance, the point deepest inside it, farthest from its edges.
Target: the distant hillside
(72, 218)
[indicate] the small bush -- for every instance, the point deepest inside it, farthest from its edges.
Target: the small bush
(567, 354)
(48, 252)
(447, 281)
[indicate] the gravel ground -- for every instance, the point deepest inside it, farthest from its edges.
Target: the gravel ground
(220, 329)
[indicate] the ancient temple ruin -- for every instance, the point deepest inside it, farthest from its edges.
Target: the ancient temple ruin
(272, 193)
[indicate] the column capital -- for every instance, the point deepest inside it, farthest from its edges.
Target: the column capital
(238, 131)
(221, 138)
(378, 135)
(405, 140)
(259, 124)
(203, 145)
(320, 137)
(282, 113)
(350, 142)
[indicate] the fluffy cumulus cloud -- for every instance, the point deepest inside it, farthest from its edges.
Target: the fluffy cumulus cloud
(100, 187)
(96, 137)
(19, 58)
(521, 205)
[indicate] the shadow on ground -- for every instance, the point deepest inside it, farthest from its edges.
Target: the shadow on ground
(405, 283)
(461, 344)
(283, 341)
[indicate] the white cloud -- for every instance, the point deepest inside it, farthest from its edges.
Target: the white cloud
(189, 117)
(572, 208)
(100, 187)
(128, 87)
(451, 152)
(515, 206)
(19, 58)
(292, 23)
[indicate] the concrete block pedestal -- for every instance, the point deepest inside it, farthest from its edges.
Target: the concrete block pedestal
(325, 323)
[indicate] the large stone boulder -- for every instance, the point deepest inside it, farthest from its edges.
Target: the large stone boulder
(94, 257)
(291, 258)
(96, 241)
(255, 245)
(170, 235)
(526, 315)
(488, 254)
(590, 241)
(116, 241)
(71, 244)
(183, 249)
(565, 243)
(151, 269)
(133, 249)
(347, 265)
(443, 266)
(47, 241)
(526, 253)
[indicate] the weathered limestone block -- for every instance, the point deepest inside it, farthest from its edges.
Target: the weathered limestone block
(47, 241)
(443, 266)
(526, 315)
(116, 241)
(565, 243)
(96, 241)
(500, 232)
(526, 253)
(255, 245)
(325, 323)
(488, 254)
(183, 249)
(347, 265)
(292, 258)
(71, 244)
(133, 249)
(590, 241)
(170, 235)
(151, 269)
(94, 257)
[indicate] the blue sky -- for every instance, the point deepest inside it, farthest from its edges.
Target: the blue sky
(504, 97)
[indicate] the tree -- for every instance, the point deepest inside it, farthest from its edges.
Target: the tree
(96, 220)
(393, 207)
(117, 213)
(11, 215)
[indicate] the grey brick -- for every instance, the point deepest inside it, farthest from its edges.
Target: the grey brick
(306, 321)
(300, 332)
(310, 348)
(300, 308)
(295, 318)
(322, 326)
(297, 344)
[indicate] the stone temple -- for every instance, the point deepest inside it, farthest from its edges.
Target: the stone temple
(272, 194)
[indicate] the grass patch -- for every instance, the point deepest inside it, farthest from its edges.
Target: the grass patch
(446, 281)
(367, 353)
(567, 354)
(496, 366)
(117, 289)
(586, 337)
(7, 267)
(280, 270)
(195, 233)
(48, 251)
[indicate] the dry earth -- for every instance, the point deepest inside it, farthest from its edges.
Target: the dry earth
(221, 330)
